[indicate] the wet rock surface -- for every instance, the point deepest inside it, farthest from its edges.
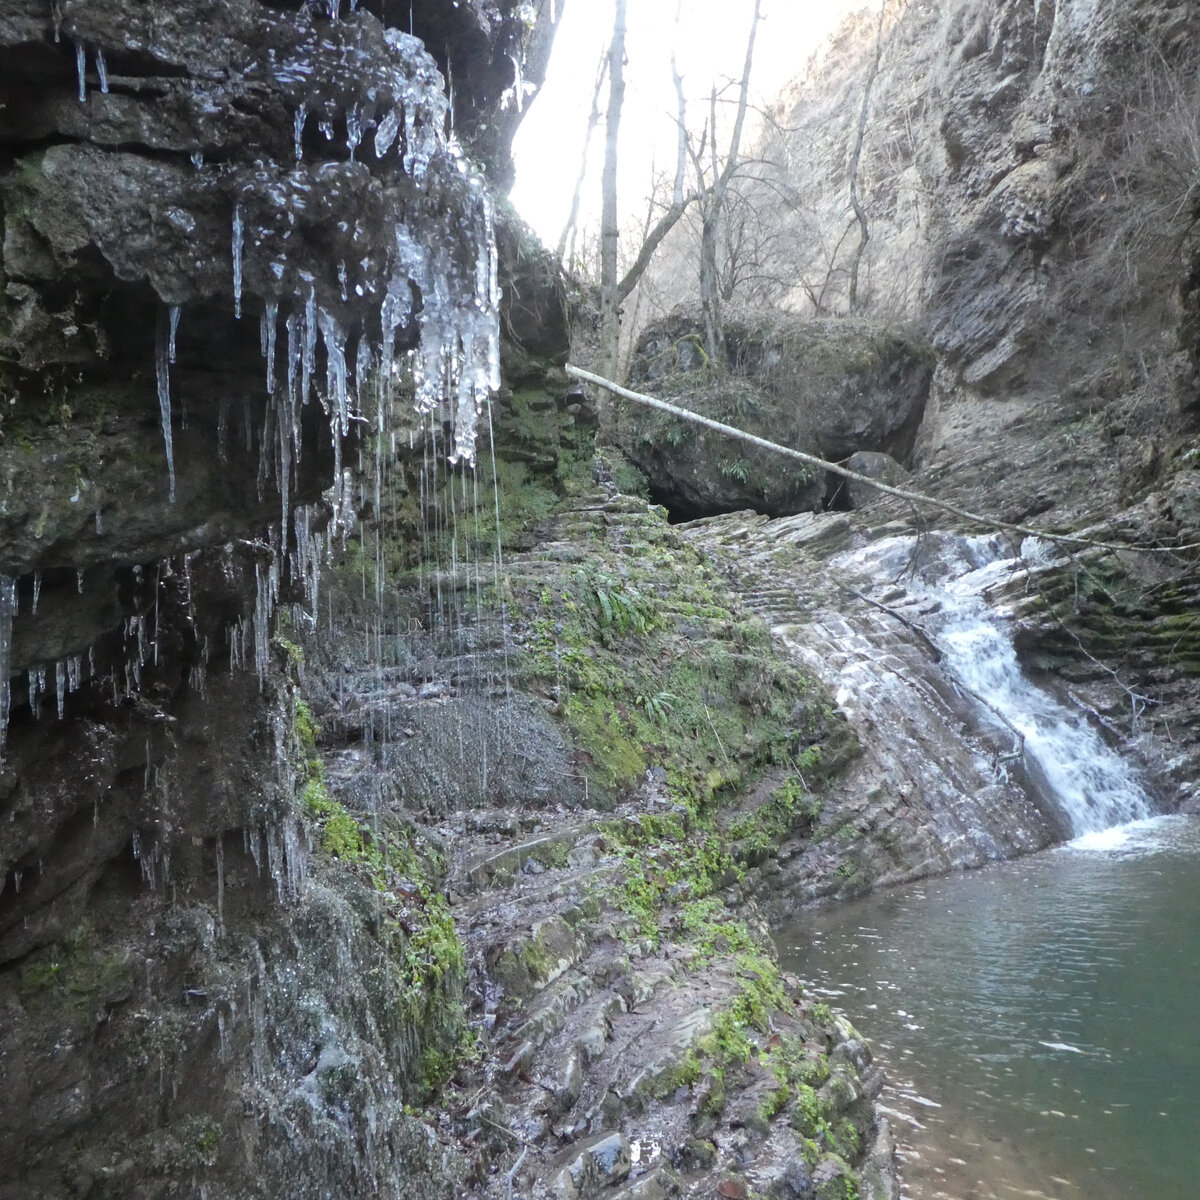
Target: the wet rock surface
(220, 226)
(930, 792)
(635, 1037)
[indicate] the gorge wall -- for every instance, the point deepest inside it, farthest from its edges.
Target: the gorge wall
(376, 826)
(1029, 174)
(224, 230)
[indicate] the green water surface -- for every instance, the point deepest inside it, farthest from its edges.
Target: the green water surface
(1039, 1020)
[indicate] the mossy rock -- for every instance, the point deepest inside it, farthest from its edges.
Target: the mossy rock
(830, 388)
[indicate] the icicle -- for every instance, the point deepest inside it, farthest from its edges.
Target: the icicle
(173, 318)
(221, 882)
(334, 9)
(271, 317)
(162, 371)
(309, 357)
(354, 129)
(363, 361)
(295, 374)
(198, 159)
(60, 687)
(79, 581)
(298, 131)
(237, 261)
(518, 83)
(37, 687)
(267, 593)
(341, 274)
(8, 610)
(385, 134)
(81, 70)
(102, 70)
(335, 363)
(37, 588)
(410, 141)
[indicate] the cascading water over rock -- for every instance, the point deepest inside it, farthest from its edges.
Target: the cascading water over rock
(1065, 759)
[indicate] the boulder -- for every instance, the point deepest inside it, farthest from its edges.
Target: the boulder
(830, 388)
(851, 494)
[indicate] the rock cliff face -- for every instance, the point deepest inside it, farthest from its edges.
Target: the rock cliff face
(1051, 154)
(1029, 174)
(1029, 192)
(451, 875)
(225, 228)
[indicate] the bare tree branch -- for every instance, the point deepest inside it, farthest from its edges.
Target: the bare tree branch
(593, 121)
(610, 318)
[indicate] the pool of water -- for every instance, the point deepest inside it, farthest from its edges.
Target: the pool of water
(1039, 1020)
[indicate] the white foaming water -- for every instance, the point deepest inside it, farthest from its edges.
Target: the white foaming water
(1147, 836)
(1092, 784)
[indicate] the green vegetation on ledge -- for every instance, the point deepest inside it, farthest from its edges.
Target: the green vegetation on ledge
(415, 928)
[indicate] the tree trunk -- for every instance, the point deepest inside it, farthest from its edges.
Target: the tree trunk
(710, 300)
(610, 318)
(569, 229)
(860, 213)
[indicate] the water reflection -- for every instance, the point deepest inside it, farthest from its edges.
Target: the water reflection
(1047, 1006)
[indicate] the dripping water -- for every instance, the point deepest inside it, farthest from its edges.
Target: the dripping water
(237, 260)
(8, 610)
(162, 371)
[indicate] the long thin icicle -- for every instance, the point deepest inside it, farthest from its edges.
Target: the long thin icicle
(162, 370)
(271, 318)
(8, 609)
(81, 70)
(237, 261)
(173, 321)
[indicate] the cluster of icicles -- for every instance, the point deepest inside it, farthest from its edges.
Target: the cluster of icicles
(455, 366)
(64, 675)
(249, 639)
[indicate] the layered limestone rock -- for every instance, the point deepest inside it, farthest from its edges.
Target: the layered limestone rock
(606, 762)
(1028, 176)
(1025, 175)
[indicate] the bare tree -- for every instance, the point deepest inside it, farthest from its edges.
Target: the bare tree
(654, 233)
(610, 316)
(714, 169)
(860, 213)
(571, 227)
(713, 178)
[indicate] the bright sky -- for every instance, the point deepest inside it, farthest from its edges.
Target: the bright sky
(712, 45)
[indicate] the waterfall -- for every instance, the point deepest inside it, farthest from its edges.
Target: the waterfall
(1093, 785)
(1064, 757)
